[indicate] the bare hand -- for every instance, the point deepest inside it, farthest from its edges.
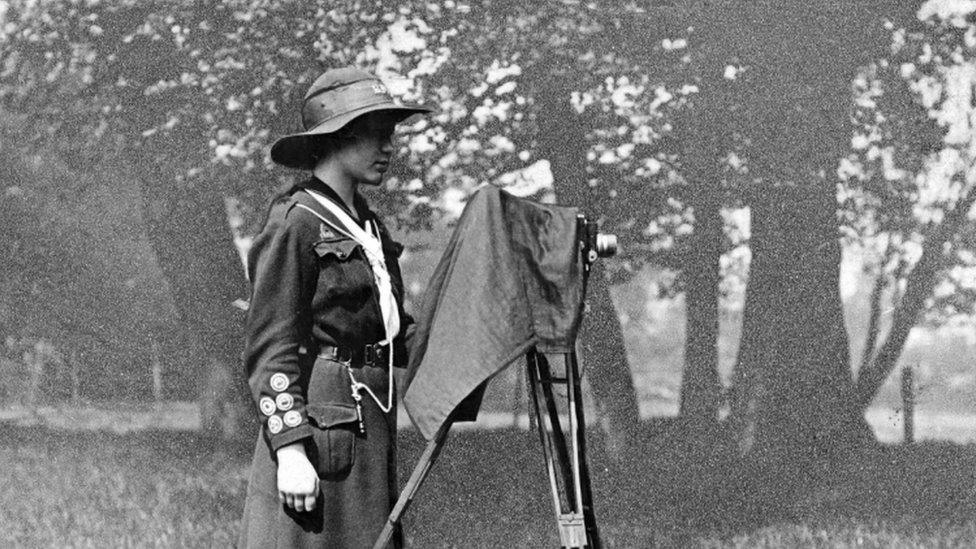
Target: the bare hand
(298, 483)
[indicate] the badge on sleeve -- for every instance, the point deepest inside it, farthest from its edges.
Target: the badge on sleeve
(275, 425)
(325, 232)
(293, 418)
(267, 406)
(279, 382)
(284, 401)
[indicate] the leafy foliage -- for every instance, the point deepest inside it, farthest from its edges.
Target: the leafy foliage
(199, 91)
(913, 151)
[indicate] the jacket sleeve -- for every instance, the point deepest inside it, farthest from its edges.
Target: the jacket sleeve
(403, 343)
(283, 275)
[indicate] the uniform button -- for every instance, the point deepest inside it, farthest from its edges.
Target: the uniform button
(267, 405)
(275, 425)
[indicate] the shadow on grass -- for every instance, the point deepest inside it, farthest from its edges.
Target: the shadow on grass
(489, 489)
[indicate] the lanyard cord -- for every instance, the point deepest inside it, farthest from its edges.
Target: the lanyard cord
(357, 385)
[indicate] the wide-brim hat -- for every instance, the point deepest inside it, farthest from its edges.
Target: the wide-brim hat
(335, 99)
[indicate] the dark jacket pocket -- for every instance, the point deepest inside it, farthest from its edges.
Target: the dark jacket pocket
(334, 438)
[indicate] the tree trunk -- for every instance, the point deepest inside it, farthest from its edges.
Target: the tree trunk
(793, 382)
(187, 226)
(562, 140)
(700, 383)
(793, 375)
(874, 320)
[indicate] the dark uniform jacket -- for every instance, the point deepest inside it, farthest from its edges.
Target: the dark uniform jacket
(312, 286)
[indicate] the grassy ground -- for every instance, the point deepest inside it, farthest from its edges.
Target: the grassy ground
(98, 476)
(175, 489)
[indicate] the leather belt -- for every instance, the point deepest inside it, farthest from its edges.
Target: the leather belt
(372, 354)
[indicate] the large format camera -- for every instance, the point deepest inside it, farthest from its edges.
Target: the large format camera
(510, 286)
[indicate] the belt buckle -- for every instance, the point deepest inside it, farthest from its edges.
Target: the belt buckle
(342, 354)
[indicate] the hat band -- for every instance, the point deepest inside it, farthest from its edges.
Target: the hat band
(330, 103)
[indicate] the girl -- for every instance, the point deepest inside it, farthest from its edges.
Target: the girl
(324, 328)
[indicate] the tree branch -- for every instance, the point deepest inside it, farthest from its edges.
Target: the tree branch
(921, 282)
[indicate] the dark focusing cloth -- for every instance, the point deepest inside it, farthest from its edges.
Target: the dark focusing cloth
(510, 279)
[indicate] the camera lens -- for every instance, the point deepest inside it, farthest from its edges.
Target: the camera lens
(606, 244)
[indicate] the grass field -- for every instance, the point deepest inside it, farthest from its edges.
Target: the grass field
(176, 489)
(103, 475)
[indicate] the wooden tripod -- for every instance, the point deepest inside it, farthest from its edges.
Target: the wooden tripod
(563, 446)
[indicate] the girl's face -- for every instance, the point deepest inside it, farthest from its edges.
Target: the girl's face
(366, 152)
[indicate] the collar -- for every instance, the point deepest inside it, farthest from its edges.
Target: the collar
(362, 213)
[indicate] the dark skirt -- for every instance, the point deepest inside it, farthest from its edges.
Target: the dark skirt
(357, 471)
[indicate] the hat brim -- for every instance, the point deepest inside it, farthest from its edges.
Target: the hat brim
(293, 151)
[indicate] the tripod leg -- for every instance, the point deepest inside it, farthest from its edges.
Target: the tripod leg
(589, 517)
(547, 446)
(413, 485)
(558, 437)
(569, 517)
